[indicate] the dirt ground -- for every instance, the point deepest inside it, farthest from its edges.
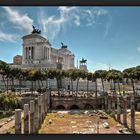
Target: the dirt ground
(8, 123)
(82, 123)
(8, 127)
(75, 122)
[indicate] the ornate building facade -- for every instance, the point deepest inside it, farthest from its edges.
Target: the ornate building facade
(38, 52)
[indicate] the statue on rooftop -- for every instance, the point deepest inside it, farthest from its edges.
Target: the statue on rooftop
(36, 30)
(83, 61)
(63, 46)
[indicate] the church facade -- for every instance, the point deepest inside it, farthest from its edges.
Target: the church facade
(38, 52)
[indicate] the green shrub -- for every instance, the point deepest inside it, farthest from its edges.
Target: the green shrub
(13, 90)
(9, 101)
(44, 90)
(39, 90)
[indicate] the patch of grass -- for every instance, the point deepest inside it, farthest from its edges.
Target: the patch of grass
(114, 122)
(55, 117)
(48, 117)
(138, 132)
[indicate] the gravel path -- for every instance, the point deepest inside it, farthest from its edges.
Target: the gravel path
(6, 127)
(7, 124)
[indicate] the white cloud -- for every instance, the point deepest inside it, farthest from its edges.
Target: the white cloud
(66, 9)
(22, 21)
(100, 12)
(138, 49)
(92, 15)
(77, 20)
(68, 16)
(8, 37)
(108, 25)
(53, 25)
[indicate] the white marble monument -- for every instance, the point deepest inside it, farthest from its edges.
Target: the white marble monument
(38, 52)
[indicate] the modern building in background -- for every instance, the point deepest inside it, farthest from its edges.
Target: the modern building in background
(17, 60)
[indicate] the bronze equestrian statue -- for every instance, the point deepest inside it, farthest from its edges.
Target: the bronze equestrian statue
(83, 61)
(36, 30)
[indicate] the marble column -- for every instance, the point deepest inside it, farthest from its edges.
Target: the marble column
(42, 108)
(18, 121)
(132, 113)
(36, 115)
(106, 99)
(125, 110)
(102, 102)
(113, 107)
(39, 108)
(46, 103)
(32, 117)
(109, 104)
(26, 118)
(118, 108)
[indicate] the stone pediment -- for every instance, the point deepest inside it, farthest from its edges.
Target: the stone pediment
(35, 38)
(35, 35)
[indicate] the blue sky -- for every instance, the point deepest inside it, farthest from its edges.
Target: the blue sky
(102, 35)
